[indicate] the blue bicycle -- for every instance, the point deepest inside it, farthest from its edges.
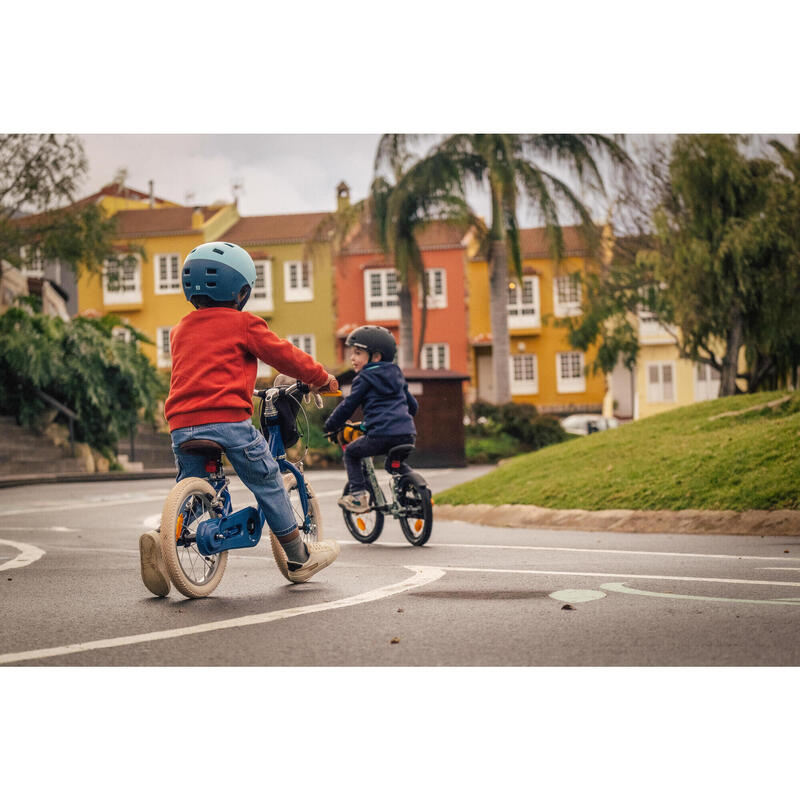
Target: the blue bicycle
(198, 523)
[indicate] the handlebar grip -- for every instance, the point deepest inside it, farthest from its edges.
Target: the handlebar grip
(337, 393)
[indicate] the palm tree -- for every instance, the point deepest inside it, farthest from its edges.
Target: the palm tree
(395, 214)
(510, 167)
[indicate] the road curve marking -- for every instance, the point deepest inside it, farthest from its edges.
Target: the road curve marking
(623, 589)
(577, 595)
(28, 554)
(422, 575)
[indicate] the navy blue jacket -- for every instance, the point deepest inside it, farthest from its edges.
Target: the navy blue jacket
(381, 390)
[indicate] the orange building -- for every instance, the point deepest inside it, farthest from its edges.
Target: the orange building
(366, 294)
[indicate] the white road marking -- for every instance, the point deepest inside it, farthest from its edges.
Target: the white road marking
(436, 545)
(422, 576)
(28, 554)
(577, 595)
(622, 588)
(619, 575)
(66, 506)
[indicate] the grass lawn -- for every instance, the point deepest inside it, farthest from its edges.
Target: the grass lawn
(675, 460)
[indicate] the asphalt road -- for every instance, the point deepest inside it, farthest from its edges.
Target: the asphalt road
(70, 593)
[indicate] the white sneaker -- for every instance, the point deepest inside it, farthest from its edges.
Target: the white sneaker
(358, 503)
(320, 555)
(154, 572)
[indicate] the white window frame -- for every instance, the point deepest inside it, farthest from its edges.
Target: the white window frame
(438, 297)
(520, 313)
(706, 382)
(306, 342)
(34, 269)
(163, 350)
(263, 370)
(303, 274)
(121, 334)
(435, 355)
(567, 365)
(261, 296)
(656, 389)
(384, 305)
(567, 295)
(517, 367)
(132, 292)
(172, 266)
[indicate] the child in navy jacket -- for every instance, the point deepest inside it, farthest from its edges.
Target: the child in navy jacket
(382, 392)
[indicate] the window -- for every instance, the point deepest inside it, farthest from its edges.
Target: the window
(264, 370)
(435, 356)
(661, 382)
(706, 382)
(524, 374)
(121, 333)
(305, 341)
(261, 295)
(32, 265)
(122, 280)
(298, 277)
(523, 304)
(168, 273)
(567, 295)
(436, 288)
(380, 294)
(569, 373)
(163, 351)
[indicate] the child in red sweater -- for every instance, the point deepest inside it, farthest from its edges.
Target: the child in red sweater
(215, 352)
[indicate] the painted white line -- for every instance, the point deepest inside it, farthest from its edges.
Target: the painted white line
(422, 576)
(577, 595)
(67, 506)
(619, 575)
(436, 545)
(28, 554)
(623, 589)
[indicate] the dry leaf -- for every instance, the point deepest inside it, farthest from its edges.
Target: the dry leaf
(395, 641)
(567, 607)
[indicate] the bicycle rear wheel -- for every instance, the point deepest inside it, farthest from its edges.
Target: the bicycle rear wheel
(366, 527)
(186, 506)
(311, 532)
(414, 496)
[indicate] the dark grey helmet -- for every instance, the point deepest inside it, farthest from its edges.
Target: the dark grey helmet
(373, 339)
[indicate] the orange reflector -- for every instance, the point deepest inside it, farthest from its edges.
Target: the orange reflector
(433, 502)
(179, 527)
(418, 525)
(361, 525)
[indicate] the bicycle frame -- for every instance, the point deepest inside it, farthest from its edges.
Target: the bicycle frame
(238, 529)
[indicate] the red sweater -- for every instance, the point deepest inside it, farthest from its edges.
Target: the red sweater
(214, 363)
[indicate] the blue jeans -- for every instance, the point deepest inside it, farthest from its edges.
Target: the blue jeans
(249, 454)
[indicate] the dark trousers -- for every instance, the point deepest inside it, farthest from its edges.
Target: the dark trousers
(368, 446)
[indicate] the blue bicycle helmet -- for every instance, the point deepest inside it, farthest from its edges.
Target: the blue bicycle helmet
(218, 271)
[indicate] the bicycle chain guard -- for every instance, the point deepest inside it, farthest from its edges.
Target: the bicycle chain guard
(240, 529)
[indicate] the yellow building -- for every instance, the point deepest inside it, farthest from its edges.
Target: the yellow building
(142, 285)
(545, 370)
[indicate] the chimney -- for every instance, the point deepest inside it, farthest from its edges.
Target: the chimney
(197, 217)
(342, 196)
(152, 196)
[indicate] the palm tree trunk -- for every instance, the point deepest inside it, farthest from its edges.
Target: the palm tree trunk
(730, 361)
(405, 354)
(498, 313)
(423, 319)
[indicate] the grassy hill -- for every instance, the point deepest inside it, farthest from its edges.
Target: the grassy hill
(687, 458)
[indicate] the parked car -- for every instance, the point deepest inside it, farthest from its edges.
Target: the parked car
(583, 424)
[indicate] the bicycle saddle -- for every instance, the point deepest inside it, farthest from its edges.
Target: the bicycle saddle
(203, 447)
(397, 455)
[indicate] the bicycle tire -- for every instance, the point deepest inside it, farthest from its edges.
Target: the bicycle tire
(314, 534)
(372, 522)
(193, 574)
(414, 495)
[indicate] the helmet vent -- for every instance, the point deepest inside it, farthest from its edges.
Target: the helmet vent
(217, 250)
(211, 271)
(210, 284)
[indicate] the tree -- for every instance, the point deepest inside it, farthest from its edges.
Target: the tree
(511, 167)
(720, 263)
(39, 177)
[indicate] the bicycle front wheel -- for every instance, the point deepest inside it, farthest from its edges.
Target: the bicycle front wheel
(366, 527)
(311, 531)
(186, 506)
(414, 497)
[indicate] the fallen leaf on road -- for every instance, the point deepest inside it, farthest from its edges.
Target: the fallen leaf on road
(395, 641)
(567, 607)
(399, 610)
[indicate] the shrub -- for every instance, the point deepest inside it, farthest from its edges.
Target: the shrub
(107, 382)
(522, 422)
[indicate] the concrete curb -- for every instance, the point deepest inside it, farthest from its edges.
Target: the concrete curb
(745, 523)
(81, 477)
